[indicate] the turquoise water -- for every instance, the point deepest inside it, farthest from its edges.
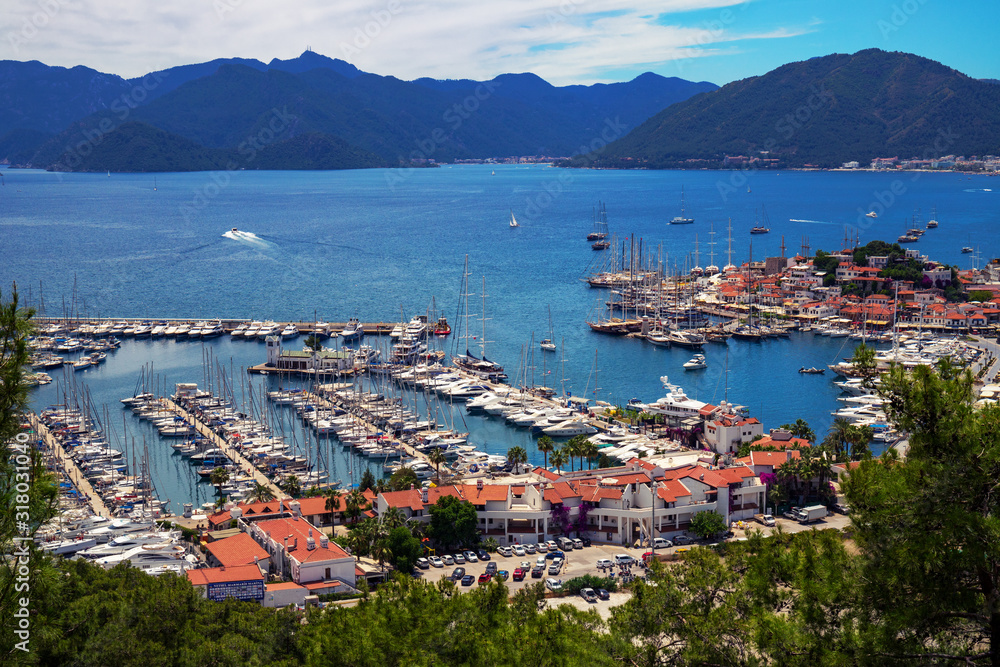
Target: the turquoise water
(372, 243)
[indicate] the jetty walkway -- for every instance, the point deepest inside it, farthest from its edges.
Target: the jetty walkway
(229, 450)
(64, 463)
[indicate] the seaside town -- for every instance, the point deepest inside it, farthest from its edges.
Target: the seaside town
(282, 534)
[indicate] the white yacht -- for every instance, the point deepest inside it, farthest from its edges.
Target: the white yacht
(253, 329)
(353, 330)
(268, 328)
(290, 331)
(212, 330)
(570, 428)
(697, 362)
(241, 330)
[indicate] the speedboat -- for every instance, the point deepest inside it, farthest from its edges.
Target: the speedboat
(696, 362)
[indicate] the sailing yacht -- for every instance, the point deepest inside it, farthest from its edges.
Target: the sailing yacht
(546, 343)
(600, 231)
(513, 220)
(680, 219)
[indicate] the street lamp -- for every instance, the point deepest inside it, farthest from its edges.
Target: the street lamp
(652, 520)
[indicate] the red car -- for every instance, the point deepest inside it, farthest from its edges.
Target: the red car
(518, 574)
(484, 577)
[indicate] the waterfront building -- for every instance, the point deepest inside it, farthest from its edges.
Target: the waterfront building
(243, 582)
(307, 361)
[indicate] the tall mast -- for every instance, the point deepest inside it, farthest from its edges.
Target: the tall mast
(729, 252)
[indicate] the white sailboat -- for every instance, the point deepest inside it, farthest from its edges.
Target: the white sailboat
(513, 220)
(547, 343)
(680, 219)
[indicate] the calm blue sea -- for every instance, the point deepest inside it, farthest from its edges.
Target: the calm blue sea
(375, 243)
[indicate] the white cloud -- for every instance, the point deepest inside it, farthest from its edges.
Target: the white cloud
(563, 41)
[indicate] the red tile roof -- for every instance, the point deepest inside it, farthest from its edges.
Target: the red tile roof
(670, 490)
(221, 575)
(299, 528)
(489, 492)
(236, 550)
(282, 586)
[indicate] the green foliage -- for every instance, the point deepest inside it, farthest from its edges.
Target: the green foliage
(707, 524)
(517, 456)
(928, 527)
(403, 479)
(88, 616)
(367, 481)
(404, 548)
(453, 522)
(800, 429)
(980, 295)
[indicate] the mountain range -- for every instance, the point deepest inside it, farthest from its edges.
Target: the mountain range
(820, 112)
(255, 115)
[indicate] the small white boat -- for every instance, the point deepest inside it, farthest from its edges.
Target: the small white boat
(871, 214)
(697, 362)
(547, 344)
(513, 220)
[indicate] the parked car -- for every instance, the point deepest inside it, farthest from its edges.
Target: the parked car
(540, 560)
(577, 543)
(491, 568)
(553, 585)
(468, 580)
(448, 559)
(623, 559)
(459, 559)
(551, 545)
(662, 543)
(603, 594)
(554, 568)
(585, 540)
(471, 556)
(537, 572)
(526, 566)
(484, 577)
(765, 520)
(502, 574)
(506, 552)
(841, 508)
(423, 563)
(588, 594)
(457, 574)
(519, 550)
(518, 574)
(552, 555)
(682, 539)
(603, 563)
(529, 548)
(483, 554)
(436, 561)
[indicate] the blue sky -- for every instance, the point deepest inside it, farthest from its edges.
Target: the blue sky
(563, 41)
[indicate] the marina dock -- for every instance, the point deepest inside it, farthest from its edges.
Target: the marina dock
(231, 452)
(66, 464)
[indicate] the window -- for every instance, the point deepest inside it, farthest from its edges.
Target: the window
(327, 574)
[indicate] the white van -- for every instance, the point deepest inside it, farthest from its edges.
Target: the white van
(565, 544)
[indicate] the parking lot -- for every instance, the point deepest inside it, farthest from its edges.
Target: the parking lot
(584, 561)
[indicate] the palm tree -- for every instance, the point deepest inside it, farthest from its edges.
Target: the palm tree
(517, 456)
(392, 518)
(261, 493)
(572, 448)
(436, 457)
(291, 486)
(356, 503)
(219, 477)
(839, 431)
(333, 504)
(801, 429)
(546, 445)
(558, 459)
(590, 451)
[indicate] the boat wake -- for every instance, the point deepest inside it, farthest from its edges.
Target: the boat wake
(237, 235)
(814, 222)
(978, 190)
